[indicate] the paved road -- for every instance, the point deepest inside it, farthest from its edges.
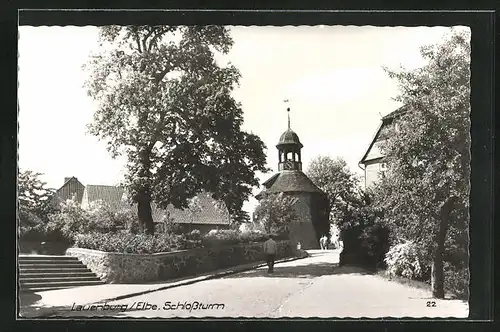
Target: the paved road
(311, 287)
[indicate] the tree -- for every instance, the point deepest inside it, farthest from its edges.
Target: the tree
(165, 103)
(334, 177)
(275, 212)
(34, 204)
(425, 192)
(33, 194)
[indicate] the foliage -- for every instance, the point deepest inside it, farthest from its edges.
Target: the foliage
(374, 242)
(31, 227)
(193, 239)
(33, 194)
(365, 239)
(425, 193)
(230, 237)
(275, 212)
(125, 242)
(406, 260)
(34, 205)
(361, 213)
(334, 177)
(72, 220)
(165, 103)
(457, 281)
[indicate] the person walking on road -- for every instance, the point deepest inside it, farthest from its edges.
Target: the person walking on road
(323, 242)
(270, 252)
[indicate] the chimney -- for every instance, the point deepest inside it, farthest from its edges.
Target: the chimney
(67, 179)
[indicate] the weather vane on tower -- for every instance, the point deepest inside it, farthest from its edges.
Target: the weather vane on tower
(286, 101)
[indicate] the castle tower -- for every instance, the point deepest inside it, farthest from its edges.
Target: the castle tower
(311, 204)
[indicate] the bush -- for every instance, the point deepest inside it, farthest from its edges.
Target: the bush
(456, 281)
(192, 240)
(125, 242)
(374, 243)
(73, 220)
(31, 227)
(69, 221)
(407, 260)
(231, 237)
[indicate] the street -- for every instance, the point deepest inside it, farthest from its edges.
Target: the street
(310, 287)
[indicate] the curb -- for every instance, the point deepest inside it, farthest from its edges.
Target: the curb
(182, 283)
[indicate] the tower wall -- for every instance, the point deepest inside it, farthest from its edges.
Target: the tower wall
(303, 230)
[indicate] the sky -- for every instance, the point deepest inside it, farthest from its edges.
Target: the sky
(331, 75)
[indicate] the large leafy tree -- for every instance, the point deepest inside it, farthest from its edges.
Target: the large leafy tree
(165, 103)
(425, 191)
(334, 177)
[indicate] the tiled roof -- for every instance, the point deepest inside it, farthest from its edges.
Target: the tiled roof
(290, 181)
(205, 213)
(110, 195)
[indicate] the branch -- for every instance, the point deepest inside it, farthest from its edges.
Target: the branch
(153, 41)
(146, 38)
(136, 35)
(161, 75)
(157, 132)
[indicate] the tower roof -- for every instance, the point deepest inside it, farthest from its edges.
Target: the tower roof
(289, 137)
(289, 181)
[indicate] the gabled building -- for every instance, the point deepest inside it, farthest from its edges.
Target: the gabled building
(205, 216)
(373, 159)
(71, 189)
(311, 203)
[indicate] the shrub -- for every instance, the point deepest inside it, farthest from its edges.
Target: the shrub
(31, 227)
(192, 240)
(69, 221)
(230, 237)
(456, 281)
(406, 260)
(125, 242)
(169, 227)
(374, 244)
(72, 220)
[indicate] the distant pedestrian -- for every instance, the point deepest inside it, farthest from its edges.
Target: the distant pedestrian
(323, 242)
(270, 252)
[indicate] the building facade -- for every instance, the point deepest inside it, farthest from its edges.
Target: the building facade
(207, 214)
(71, 189)
(373, 160)
(311, 204)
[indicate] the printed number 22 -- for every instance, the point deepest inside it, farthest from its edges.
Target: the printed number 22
(431, 303)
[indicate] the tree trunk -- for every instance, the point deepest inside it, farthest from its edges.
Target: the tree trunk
(144, 214)
(144, 197)
(437, 273)
(437, 269)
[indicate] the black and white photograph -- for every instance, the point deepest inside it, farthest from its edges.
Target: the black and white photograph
(216, 171)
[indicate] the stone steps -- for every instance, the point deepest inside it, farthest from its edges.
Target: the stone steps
(43, 272)
(35, 269)
(57, 274)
